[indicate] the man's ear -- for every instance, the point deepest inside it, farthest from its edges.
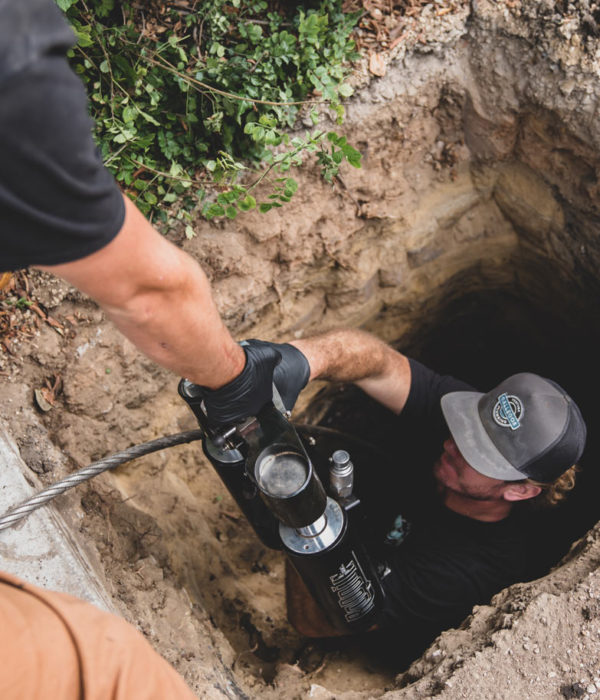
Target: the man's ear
(521, 491)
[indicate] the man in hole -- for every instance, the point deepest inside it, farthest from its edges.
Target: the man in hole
(447, 514)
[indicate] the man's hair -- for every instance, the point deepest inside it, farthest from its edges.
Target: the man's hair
(554, 492)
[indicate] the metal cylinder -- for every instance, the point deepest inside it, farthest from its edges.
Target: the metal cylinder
(335, 570)
(289, 485)
(341, 475)
(230, 465)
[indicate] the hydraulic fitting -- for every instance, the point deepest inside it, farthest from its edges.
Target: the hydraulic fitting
(341, 475)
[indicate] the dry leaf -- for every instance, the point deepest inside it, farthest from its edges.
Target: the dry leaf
(53, 322)
(41, 400)
(377, 64)
(5, 278)
(396, 41)
(38, 311)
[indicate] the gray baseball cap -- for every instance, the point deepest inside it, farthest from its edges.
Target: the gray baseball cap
(527, 427)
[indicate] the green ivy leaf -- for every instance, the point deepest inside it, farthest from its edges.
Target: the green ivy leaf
(353, 156)
(129, 114)
(214, 210)
(247, 203)
(83, 36)
(65, 4)
(148, 117)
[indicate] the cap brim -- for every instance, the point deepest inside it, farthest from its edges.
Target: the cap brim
(462, 416)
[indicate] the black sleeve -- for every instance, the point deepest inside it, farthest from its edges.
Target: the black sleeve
(420, 427)
(57, 201)
(426, 389)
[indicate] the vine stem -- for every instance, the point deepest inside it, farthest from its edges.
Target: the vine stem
(190, 180)
(297, 150)
(165, 65)
(115, 154)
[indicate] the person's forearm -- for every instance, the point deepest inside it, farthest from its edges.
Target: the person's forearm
(159, 297)
(177, 325)
(355, 356)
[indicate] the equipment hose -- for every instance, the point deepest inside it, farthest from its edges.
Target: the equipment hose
(309, 430)
(14, 515)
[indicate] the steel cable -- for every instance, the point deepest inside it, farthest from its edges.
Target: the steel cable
(17, 513)
(111, 462)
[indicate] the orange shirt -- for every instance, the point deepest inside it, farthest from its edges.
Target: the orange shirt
(54, 646)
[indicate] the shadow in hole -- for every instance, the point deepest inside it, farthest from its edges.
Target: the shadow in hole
(483, 338)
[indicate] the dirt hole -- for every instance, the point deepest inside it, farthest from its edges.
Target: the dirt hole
(484, 335)
(469, 237)
(468, 328)
(522, 310)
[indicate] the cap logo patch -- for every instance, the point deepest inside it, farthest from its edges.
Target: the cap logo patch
(507, 411)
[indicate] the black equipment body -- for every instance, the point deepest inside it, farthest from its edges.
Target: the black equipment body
(265, 466)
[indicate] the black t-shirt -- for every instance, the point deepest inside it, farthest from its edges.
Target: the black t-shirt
(442, 563)
(57, 201)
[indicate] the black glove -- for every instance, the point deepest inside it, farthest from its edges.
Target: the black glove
(291, 374)
(245, 395)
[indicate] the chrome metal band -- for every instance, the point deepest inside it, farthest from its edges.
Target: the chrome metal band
(317, 536)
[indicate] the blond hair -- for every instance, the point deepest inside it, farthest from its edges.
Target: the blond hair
(556, 491)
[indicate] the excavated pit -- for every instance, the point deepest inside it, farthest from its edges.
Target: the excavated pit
(470, 238)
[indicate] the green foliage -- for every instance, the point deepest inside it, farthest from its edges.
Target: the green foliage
(183, 109)
(21, 303)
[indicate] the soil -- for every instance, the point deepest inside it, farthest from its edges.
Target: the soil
(479, 171)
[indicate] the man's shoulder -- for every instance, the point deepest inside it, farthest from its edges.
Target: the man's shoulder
(29, 29)
(427, 382)
(426, 389)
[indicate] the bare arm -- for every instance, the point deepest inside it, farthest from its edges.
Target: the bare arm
(158, 297)
(355, 356)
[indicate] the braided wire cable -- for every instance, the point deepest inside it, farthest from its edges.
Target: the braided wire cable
(111, 462)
